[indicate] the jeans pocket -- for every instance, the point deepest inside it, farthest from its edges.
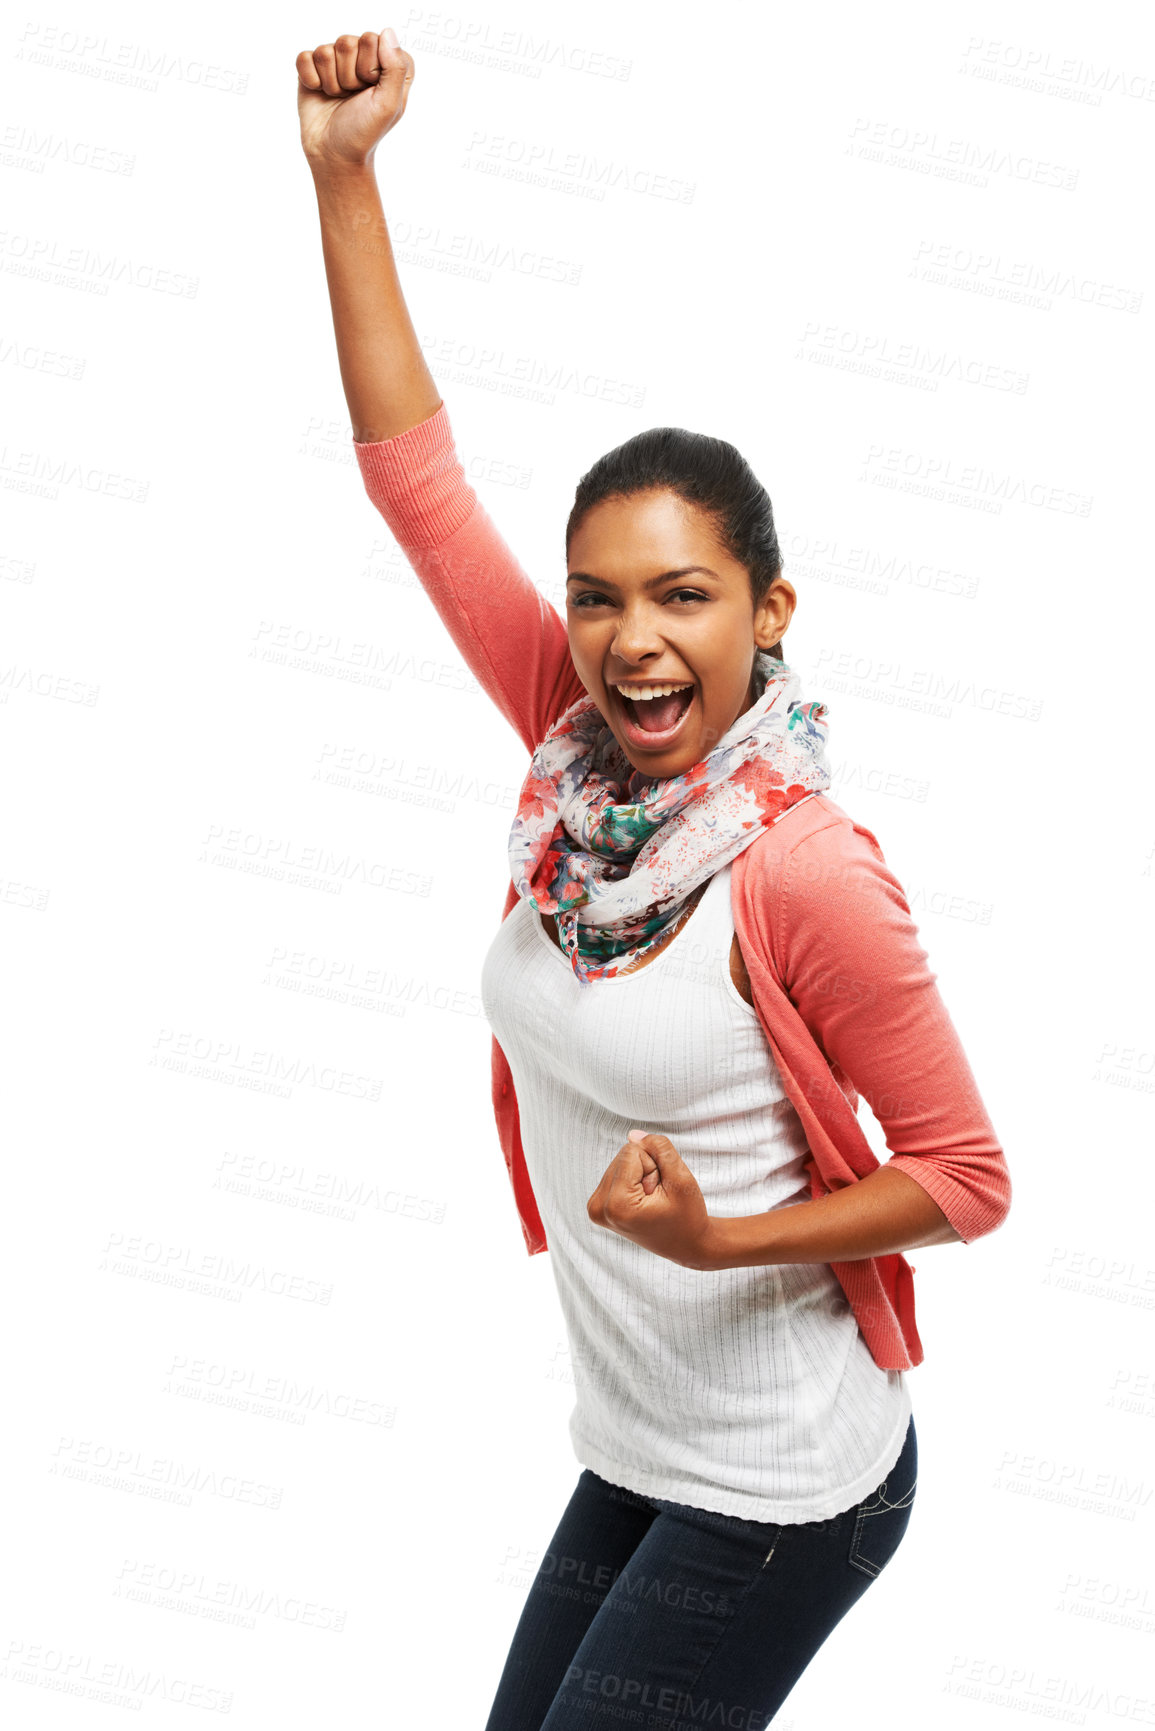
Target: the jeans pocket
(881, 1519)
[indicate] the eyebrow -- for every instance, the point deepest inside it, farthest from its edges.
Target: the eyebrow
(651, 583)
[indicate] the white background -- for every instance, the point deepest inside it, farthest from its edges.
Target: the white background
(898, 257)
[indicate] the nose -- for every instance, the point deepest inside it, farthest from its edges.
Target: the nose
(637, 638)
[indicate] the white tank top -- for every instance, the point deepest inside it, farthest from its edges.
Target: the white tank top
(748, 1391)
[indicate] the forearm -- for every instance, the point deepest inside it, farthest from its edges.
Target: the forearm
(388, 386)
(886, 1211)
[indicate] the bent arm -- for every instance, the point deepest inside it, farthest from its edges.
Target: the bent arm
(849, 957)
(512, 639)
(857, 973)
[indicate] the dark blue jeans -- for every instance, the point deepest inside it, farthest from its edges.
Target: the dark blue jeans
(654, 1614)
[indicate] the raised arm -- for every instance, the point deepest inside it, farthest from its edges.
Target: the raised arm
(351, 92)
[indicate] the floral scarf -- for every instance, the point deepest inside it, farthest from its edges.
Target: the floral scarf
(592, 833)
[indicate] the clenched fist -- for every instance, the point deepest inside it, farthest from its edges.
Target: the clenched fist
(350, 93)
(649, 1195)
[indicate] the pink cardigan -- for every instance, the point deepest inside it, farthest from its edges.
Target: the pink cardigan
(840, 981)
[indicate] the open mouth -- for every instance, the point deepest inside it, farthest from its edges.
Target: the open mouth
(653, 723)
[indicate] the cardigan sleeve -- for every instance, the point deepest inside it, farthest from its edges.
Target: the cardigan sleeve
(512, 639)
(853, 966)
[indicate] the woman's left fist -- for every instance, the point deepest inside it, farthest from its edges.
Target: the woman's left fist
(649, 1195)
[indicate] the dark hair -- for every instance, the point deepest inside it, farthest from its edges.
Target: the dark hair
(703, 471)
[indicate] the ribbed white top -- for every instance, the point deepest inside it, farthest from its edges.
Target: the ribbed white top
(748, 1391)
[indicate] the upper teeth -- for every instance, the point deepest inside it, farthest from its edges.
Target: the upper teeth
(640, 692)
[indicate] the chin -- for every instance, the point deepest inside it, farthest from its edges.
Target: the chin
(663, 765)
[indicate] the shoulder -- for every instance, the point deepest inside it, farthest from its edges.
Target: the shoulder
(812, 836)
(815, 878)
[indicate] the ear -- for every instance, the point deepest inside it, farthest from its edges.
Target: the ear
(773, 613)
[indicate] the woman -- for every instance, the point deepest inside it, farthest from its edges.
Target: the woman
(702, 962)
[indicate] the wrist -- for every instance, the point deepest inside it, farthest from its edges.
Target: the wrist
(340, 169)
(719, 1245)
(740, 1241)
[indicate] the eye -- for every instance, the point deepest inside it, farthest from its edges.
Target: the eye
(599, 600)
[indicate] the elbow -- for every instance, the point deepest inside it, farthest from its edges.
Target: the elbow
(990, 1212)
(974, 1193)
